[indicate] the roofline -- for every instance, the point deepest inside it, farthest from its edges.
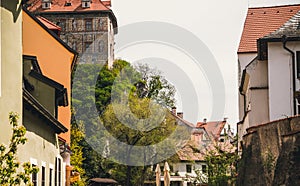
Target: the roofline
(50, 32)
(279, 39)
(184, 121)
(34, 60)
(264, 40)
(49, 22)
(273, 6)
(110, 12)
(289, 118)
(47, 80)
(247, 52)
(52, 122)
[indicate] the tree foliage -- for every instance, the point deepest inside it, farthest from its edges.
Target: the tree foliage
(154, 86)
(149, 132)
(10, 169)
(221, 160)
(77, 158)
(100, 87)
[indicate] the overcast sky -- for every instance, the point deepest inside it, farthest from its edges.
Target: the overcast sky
(218, 24)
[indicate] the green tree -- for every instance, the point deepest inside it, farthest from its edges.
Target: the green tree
(221, 160)
(91, 87)
(144, 135)
(154, 86)
(77, 136)
(103, 86)
(10, 170)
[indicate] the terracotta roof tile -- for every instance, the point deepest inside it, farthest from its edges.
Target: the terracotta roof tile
(60, 6)
(213, 128)
(290, 29)
(263, 21)
(190, 152)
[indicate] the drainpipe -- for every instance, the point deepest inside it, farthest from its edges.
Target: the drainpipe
(284, 41)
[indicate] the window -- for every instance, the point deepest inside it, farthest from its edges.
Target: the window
(88, 47)
(43, 176)
(46, 5)
(74, 45)
(189, 168)
(34, 177)
(88, 25)
(50, 176)
(74, 25)
(55, 172)
(101, 46)
(204, 169)
(59, 172)
(298, 64)
(103, 24)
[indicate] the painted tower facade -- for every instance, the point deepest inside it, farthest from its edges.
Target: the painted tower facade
(88, 26)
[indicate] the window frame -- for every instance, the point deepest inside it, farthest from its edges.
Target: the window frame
(34, 176)
(188, 168)
(88, 27)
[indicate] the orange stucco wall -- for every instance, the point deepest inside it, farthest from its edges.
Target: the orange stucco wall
(54, 59)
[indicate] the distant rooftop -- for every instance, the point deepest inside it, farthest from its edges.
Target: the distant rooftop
(262, 21)
(68, 6)
(213, 128)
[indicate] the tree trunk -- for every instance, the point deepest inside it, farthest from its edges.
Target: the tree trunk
(128, 175)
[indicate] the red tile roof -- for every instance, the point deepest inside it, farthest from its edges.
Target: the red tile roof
(213, 128)
(190, 152)
(48, 24)
(60, 6)
(262, 21)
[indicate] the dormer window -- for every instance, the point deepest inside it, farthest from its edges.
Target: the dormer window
(46, 4)
(86, 3)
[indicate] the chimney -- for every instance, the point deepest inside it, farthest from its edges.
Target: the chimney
(204, 120)
(225, 119)
(107, 3)
(174, 110)
(180, 114)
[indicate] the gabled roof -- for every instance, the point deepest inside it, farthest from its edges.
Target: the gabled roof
(54, 36)
(66, 6)
(262, 21)
(213, 128)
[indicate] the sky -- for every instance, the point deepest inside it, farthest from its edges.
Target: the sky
(212, 27)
